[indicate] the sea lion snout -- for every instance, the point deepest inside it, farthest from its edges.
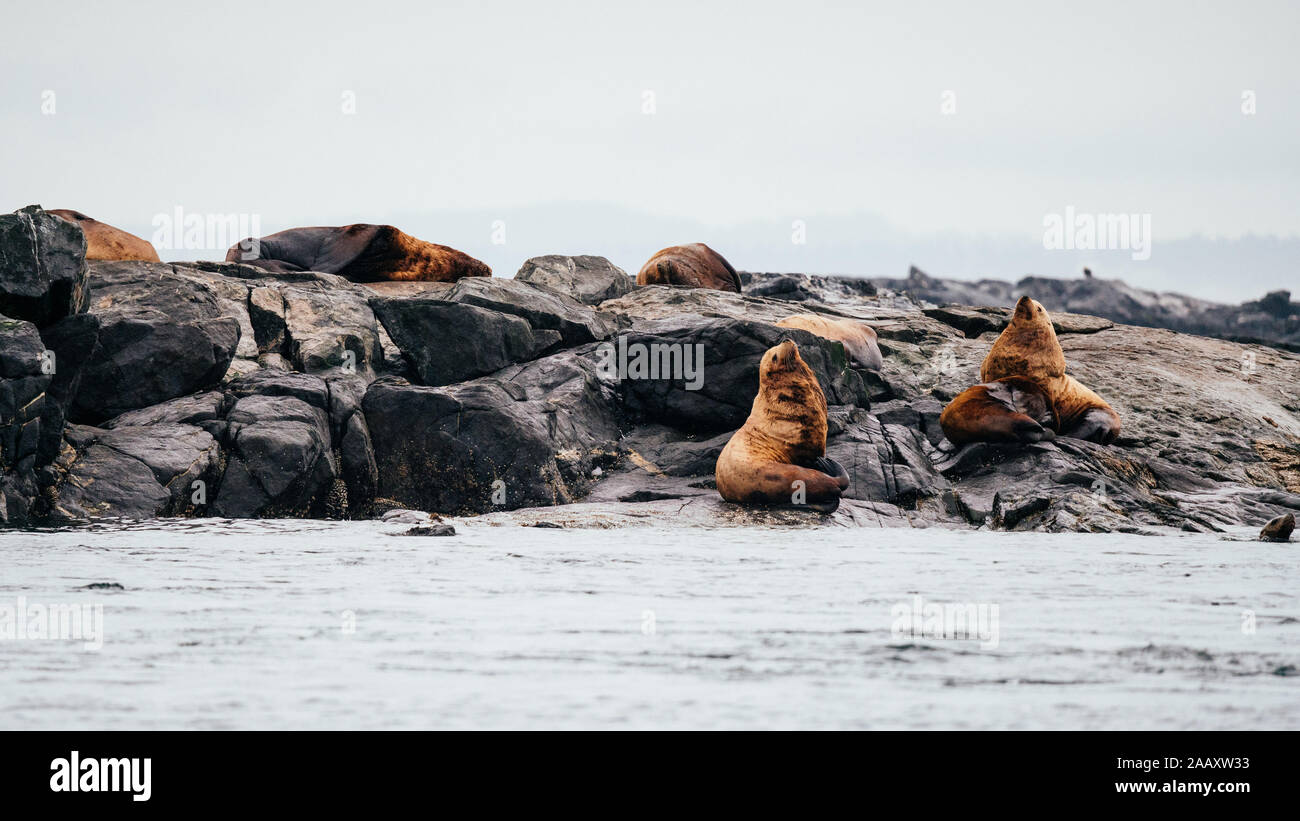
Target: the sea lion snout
(1027, 308)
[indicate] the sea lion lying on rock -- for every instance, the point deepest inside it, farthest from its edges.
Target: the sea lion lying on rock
(1028, 349)
(858, 338)
(361, 253)
(1014, 409)
(106, 242)
(779, 456)
(695, 266)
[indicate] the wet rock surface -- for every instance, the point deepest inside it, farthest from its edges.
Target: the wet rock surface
(221, 389)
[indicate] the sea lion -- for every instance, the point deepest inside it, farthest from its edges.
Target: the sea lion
(783, 441)
(859, 338)
(1028, 348)
(1279, 529)
(1013, 409)
(106, 242)
(695, 266)
(360, 252)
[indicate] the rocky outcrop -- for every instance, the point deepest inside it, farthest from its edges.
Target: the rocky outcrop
(160, 336)
(1273, 320)
(590, 280)
(194, 389)
(23, 383)
(42, 266)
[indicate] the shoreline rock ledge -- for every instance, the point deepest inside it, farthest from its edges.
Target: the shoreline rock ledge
(145, 389)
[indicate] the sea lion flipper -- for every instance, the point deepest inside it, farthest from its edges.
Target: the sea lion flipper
(1099, 425)
(834, 470)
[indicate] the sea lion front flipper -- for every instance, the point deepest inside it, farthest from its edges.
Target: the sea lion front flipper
(834, 470)
(828, 506)
(1099, 425)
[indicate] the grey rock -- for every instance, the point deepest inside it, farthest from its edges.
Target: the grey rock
(588, 279)
(449, 342)
(538, 429)
(23, 386)
(720, 396)
(828, 290)
(280, 461)
(431, 530)
(42, 266)
(161, 336)
(544, 308)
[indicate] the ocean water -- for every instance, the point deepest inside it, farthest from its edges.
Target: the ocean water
(309, 624)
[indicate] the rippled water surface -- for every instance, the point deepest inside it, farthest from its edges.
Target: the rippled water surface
(247, 625)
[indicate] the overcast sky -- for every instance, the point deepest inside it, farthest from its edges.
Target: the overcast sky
(599, 126)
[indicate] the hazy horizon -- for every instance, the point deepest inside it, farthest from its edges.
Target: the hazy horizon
(883, 137)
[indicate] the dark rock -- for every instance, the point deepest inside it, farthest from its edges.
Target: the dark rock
(1279, 529)
(360, 473)
(431, 530)
(310, 389)
(544, 308)
(186, 410)
(72, 342)
(23, 385)
(100, 481)
(720, 396)
(527, 435)
(885, 462)
(590, 280)
(328, 327)
(161, 336)
(449, 342)
(280, 461)
(660, 449)
(829, 290)
(42, 266)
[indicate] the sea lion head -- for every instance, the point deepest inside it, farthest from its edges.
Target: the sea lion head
(782, 360)
(1030, 312)
(791, 404)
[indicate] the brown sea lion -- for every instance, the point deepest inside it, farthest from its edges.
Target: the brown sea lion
(361, 252)
(859, 338)
(105, 241)
(1279, 529)
(1028, 348)
(783, 442)
(1014, 409)
(695, 266)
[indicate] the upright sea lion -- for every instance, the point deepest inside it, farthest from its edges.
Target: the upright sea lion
(361, 252)
(859, 338)
(105, 241)
(695, 265)
(1013, 409)
(1028, 348)
(783, 441)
